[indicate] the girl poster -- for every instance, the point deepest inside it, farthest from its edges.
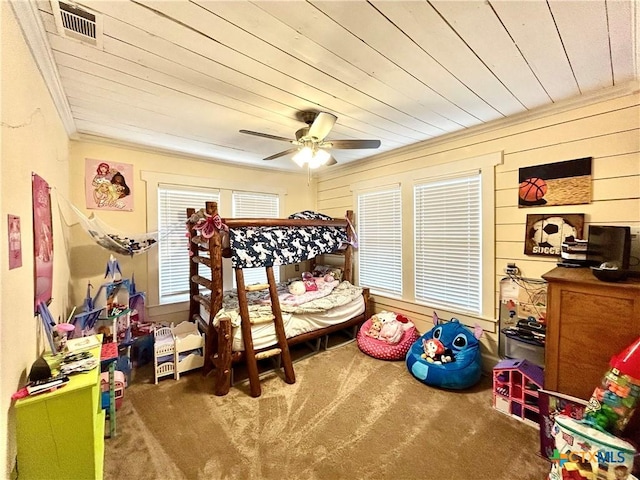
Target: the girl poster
(42, 241)
(15, 242)
(108, 185)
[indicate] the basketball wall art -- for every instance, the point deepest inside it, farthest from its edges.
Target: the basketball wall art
(560, 183)
(546, 233)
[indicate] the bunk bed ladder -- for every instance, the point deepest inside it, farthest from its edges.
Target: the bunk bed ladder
(282, 349)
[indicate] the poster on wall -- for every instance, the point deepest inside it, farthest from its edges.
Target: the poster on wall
(42, 241)
(15, 242)
(108, 185)
(546, 233)
(559, 183)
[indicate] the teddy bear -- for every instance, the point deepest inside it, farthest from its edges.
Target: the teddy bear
(374, 328)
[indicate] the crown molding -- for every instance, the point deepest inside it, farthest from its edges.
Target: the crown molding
(168, 152)
(602, 95)
(28, 17)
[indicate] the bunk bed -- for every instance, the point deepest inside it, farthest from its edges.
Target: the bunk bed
(213, 238)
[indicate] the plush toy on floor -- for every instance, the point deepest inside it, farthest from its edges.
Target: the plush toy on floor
(387, 336)
(447, 356)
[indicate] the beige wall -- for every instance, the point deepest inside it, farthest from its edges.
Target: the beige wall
(607, 130)
(33, 140)
(89, 259)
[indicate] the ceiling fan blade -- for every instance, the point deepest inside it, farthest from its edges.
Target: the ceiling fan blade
(354, 144)
(331, 161)
(322, 125)
(266, 135)
(281, 154)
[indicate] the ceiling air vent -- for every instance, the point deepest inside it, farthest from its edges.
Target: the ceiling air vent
(79, 23)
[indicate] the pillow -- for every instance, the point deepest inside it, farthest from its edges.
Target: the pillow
(322, 270)
(309, 215)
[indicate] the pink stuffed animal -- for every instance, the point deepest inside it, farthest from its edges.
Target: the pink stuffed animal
(392, 330)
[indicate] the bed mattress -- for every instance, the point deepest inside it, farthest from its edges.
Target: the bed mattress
(264, 334)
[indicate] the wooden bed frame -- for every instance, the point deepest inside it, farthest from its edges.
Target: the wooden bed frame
(218, 345)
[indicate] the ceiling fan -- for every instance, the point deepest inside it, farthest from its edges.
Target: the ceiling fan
(310, 143)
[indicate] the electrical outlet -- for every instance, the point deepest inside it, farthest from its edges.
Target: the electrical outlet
(511, 269)
(297, 267)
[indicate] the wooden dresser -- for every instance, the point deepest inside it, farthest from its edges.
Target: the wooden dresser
(588, 321)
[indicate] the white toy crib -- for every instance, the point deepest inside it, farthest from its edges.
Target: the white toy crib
(177, 350)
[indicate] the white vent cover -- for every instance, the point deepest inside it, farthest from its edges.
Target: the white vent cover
(78, 22)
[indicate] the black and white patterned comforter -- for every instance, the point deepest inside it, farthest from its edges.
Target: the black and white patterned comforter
(269, 246)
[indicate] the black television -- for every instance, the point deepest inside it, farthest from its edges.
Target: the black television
(610, 244)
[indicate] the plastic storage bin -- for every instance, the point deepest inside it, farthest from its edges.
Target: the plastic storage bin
(514, 348)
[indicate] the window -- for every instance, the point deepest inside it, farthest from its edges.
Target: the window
(448, 243)
(427, 236)
(173, 251)
(379, 224)
(256, 205)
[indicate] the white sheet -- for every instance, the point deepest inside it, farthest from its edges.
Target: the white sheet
(264, 334)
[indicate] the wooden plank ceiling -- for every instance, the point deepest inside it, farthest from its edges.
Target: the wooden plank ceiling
(186, 76)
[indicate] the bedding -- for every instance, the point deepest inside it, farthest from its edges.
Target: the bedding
(270, 246)
(260, 309)
(295, 324)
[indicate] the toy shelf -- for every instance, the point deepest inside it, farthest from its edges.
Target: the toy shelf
(515, 389)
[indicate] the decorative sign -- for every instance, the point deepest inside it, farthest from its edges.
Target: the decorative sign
(108, 186)
(546, 233)
(15, 242)
(42, 241)
(560, 183)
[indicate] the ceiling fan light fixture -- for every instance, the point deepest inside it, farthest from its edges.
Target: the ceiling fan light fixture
(319, 158)
(304, 155)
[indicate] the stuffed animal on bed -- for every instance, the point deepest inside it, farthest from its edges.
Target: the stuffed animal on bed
(461, 373)
(297, 288)
(310, 284)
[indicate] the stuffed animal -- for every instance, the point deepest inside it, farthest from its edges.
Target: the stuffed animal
(435, 352)
(465, 367)
(297, 288)
(389, 327)
(310, 284)
(374, 328)
(392, 330)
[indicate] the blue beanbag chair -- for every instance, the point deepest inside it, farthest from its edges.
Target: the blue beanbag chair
(447, 356)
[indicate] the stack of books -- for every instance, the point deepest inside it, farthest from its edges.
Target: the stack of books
(44, 385)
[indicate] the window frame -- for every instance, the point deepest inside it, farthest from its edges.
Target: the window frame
(379, 289)
(175, 311)
(483, 163)
(446, 302)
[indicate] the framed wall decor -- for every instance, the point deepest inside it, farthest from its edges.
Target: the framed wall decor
(559, 183)
(42, 241)
(108, 185)
(15, 242)
(546, 233)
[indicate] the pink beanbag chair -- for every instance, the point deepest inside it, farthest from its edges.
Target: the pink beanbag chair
(380, 347)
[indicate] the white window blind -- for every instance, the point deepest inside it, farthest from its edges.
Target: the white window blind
(173, 250)
(380, 241)
(448, 243)
(256, 205)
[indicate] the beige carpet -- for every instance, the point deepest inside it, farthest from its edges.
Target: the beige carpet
(348, 416)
